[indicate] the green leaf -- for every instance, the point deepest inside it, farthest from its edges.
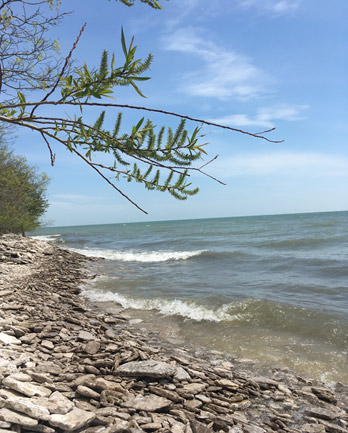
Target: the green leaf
(21, 97)
(123, 42)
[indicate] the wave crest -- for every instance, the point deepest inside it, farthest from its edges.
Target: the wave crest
(175, 307)
(138, 256)
(47, 238)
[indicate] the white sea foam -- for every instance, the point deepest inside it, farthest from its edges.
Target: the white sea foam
(46, 238)
(138, 256)
(175, 307)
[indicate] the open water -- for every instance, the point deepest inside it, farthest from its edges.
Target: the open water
(268, 288)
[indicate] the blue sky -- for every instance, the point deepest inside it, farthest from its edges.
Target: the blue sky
(250, 64)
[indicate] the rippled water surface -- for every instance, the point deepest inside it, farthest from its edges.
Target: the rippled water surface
(270, 288)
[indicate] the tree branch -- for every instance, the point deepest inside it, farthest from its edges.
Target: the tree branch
(153, 110)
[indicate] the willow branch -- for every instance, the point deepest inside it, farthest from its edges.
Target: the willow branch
(153, 110)
(35, 128)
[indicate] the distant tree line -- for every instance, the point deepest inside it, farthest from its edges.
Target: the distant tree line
(22, 193)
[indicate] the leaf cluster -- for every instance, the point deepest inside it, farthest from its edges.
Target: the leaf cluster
(97, 83)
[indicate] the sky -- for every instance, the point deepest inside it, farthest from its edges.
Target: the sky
(249, 64)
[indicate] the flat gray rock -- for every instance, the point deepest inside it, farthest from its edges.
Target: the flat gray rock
(155, 369)
(17, 418)
(9, 339)
(148, 403)
(73, 420)
(322, 413)
(86, 336)
(26, 388)
(28, 407)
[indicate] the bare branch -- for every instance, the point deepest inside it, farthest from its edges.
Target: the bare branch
(62, 71)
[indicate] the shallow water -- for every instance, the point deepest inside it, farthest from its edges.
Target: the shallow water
(269, 288)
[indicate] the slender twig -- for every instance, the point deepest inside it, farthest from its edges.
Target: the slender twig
(206, 174)
(62, 71)
(52, 155)
(107, 180)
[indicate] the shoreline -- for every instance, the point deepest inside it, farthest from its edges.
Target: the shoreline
(67, 365)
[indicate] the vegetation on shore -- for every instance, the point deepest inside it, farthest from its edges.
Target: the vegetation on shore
(22, 193)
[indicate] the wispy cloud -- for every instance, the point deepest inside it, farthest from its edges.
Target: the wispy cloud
(72, 197)
(283, 164)
(225, 73)
(264, 117)
(277, 7)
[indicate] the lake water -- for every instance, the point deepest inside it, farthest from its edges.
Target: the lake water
(268, 288)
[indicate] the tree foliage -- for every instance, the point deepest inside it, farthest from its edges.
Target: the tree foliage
(22, 193)
(29, 60)
(159, 159)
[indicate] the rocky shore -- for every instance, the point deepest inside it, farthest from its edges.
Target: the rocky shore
(68, 366)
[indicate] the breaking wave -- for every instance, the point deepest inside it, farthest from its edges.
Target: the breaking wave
(173, 307)
(47, 238)
(138, 256)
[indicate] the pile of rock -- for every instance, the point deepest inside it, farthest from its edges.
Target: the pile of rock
(67, 366)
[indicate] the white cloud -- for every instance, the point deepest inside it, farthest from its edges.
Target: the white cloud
(226, 73)
(264, 117)
(281, 164)
(72, 197)
(277, 7)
